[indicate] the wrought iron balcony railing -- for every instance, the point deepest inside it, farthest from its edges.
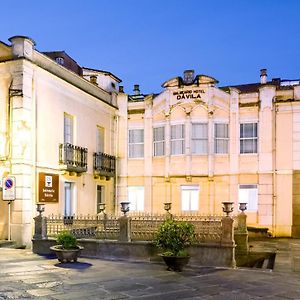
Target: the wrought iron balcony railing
(104, 164)
(73, 158)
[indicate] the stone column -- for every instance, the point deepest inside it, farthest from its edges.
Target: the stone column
(125, 229)
(241, 234)
(227, 232)
(40, 228)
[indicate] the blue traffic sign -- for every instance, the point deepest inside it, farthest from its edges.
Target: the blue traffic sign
(8, 183)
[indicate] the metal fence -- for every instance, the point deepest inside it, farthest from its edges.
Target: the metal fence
(142, 226)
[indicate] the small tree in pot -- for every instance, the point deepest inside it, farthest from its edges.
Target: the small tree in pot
(172, 238)
(66, 248)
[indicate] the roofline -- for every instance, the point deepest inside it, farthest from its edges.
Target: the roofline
(105, 72)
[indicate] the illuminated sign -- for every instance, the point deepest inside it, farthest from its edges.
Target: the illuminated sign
(48, 187)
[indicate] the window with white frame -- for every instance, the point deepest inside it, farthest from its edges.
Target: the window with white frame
(68, 203)
(248, 138)
(249, 193)
(136, 143)
(68, 128)
(159, 141)
(177, 139)
(189, 198)
(199, 138)
(136, 198)
(100, 139)
(221, 138)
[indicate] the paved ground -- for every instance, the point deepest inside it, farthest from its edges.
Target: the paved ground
(24, 275)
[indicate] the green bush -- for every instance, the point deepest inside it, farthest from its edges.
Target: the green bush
(67, 240)
(173, 237)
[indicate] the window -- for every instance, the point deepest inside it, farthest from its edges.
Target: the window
(248, 138)
(60, 60)
(68, 207)
(199, 138)
(68, 128)
(136, 198)
(221, 138)
(248, 193)
(177, 139)
(189, 198)
(159, 141)
(136, 143)
(100, 196)
(100, 140)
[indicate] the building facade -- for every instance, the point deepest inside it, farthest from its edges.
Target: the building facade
(196, 145)
(57, 136)
(72, 139)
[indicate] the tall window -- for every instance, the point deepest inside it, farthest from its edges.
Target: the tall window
(136, 143)
(136, 198)
(68, 128)
(100, 196)
(189, 198)
(248, 193)
(159, 141)
(100, 139)
(68, 209)
(177, 139)
(199, 138)
(221, 138)
(248, 138)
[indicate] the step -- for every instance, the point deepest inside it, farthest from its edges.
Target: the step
(7, 244)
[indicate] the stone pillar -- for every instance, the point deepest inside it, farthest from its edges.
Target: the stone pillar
(241, 234)
(125, 229)
(227, 232)
(40, 228)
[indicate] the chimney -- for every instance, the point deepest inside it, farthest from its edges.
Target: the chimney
(263, 76)
(136, 89)
(22, 46)
(188, 76)
(121, 89)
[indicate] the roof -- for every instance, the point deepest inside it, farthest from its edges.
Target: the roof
(105, 73)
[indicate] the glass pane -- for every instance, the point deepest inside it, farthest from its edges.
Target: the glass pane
(221, 130)
(159, 134)
(199, 147)
(194, 199)
(185, 200)
(177, 147)
(199, 130)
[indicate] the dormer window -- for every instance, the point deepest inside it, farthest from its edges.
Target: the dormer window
(93, 79)
(60, 60)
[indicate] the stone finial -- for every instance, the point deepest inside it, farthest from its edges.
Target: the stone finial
(22, 46)
(263, 76)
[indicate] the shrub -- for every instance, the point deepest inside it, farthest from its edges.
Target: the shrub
(173, 237)
(67, 240)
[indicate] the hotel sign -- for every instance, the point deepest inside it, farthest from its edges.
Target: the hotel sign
(48, 187)
(189, 94)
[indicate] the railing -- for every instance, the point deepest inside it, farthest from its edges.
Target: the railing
(142, 226)
(104, 164)
(73, 158)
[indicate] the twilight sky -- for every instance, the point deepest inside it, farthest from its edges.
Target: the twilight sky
(147, 42)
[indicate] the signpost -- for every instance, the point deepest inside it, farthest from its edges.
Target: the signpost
(9, 194)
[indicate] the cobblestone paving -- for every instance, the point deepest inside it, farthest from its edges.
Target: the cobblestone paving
(24, 275)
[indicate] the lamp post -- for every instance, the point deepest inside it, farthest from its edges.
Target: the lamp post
(227, 207)
(125, 207)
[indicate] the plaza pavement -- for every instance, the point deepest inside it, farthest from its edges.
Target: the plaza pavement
(24, 275)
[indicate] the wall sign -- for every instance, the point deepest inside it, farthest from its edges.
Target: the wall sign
(48, 187)
(188, 94)
(9, 188)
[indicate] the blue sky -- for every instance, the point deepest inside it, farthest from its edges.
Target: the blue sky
(148, 42)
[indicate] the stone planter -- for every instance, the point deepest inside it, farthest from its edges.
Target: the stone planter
(66, 255)
(175, 263)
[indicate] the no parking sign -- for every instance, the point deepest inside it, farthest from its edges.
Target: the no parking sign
(9, 188)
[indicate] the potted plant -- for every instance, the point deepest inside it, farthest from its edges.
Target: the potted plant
(66, 249)
(172, 238)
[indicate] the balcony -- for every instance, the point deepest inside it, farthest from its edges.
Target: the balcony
(73, 158)
(104, 165)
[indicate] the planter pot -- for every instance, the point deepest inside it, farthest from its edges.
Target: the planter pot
(175, 263)
(66, 255)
